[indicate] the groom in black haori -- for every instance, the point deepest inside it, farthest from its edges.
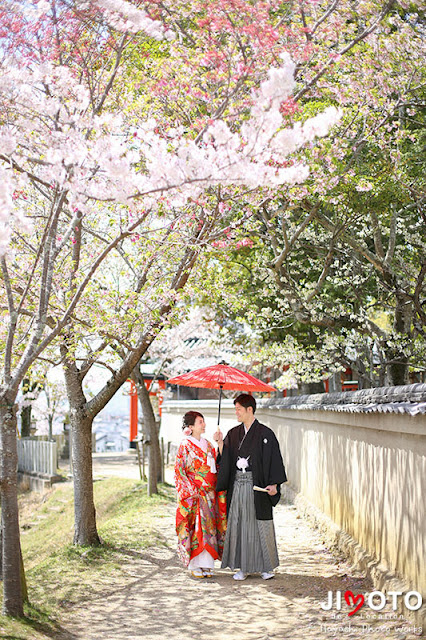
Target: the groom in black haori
(251, 470)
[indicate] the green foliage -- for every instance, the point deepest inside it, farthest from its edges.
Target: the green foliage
(353, 236)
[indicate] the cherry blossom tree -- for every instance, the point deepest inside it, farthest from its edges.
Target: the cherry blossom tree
(82, 177)
(336, 275)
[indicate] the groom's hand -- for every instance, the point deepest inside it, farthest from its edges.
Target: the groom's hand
(218, 436)
(272, 489)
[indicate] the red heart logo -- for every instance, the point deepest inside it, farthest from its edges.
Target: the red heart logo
(350, 596)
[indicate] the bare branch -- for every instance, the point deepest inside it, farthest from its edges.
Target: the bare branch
(349, 46)
(110, 82)
(148, 336)
(12, 321)
(324, 273)
(102, 363)
(360, 248)
(48, 262)
(324, 17)
(290, 244)
(20, 169)
(34, 347)
(308, 34)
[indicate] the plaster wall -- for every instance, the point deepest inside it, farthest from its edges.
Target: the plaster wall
(366, 472)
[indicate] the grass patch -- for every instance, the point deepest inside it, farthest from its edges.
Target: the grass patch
(59, 574)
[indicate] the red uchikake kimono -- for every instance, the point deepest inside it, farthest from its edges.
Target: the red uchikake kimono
(201, 511)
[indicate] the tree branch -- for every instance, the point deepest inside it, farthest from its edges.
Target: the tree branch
(324, 273)
(290, 244)
(377, 235)
(110, 82)
(12, 322)
(332, 60)
(392, 238)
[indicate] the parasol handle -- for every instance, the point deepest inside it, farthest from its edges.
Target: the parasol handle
(220, 402)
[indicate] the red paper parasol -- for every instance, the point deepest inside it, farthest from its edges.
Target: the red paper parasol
(221, 376)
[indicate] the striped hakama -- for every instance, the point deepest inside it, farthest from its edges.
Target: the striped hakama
(249, 543)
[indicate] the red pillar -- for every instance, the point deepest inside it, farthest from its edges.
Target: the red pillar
(133, 413)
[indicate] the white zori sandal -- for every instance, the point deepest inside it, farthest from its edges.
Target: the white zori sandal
(197, 573)
(208, 573)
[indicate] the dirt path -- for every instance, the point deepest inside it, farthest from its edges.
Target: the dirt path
(155, 597)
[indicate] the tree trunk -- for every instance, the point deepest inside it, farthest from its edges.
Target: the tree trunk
(398, 365)
(23, 578)
(398, 369)
(26, 412)
(312, 387)
(28, 387)
(85, 531)
(154, 452)
(11, 551)
(26, 421)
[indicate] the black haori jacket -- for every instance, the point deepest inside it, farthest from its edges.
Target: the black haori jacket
(265, 460)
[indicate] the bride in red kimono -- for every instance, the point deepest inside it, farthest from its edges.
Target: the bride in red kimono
(201, 512)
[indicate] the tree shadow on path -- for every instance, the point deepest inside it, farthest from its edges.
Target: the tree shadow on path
(153, 596)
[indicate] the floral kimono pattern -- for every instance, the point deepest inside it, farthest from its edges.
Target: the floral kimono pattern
(201, 512)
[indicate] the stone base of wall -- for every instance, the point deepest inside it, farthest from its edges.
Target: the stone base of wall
(37, 481)
(336, 538)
